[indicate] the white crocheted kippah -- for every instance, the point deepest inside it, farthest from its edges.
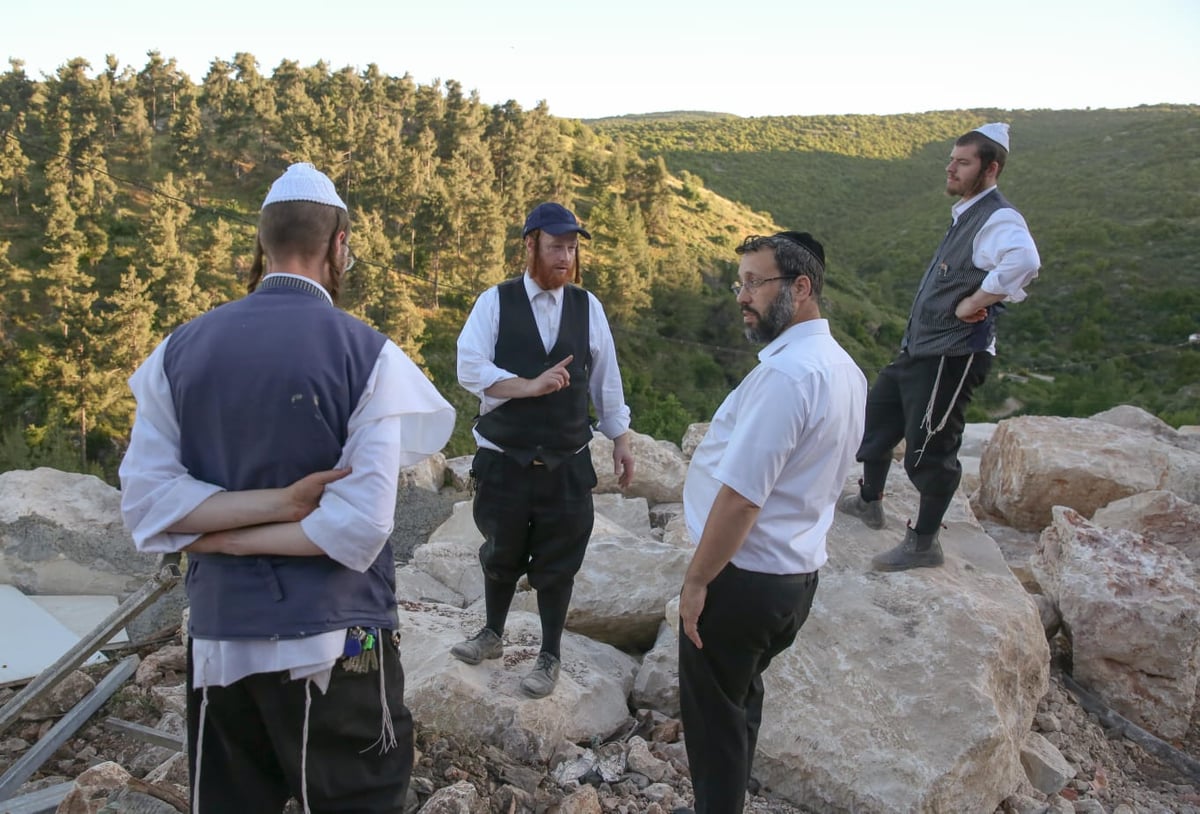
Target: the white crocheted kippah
(303, 182)
(996, 131)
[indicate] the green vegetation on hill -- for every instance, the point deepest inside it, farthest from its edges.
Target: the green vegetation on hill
(128, 199)
(1112, 197)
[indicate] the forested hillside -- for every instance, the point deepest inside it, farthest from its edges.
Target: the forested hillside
(128, 197)
(1112, 198)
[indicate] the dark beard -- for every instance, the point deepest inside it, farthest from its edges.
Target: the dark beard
(776, 320)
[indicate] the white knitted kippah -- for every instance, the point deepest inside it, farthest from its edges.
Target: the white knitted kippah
(303, 182)
(996, 131)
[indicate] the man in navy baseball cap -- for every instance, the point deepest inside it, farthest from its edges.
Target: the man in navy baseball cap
(535, 351)
(553, 219)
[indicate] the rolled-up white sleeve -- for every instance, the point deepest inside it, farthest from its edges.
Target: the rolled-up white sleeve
(156, 489)
(604, 386)
(400, 420)
(477, 370)
(1005, 249)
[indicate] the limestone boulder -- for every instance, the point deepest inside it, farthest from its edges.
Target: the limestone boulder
(458, 472)
(630, 513)
(622, 587)
(911, 691)
(451, 556)
(656, 685)
(429, 474)
(659, 468)
(1034, 463)
(1135, 418)
(1159, 516)
(414, 585)
(1110, 580)
(61, 533)
(692, 437)
(93, 787)
(485, 701)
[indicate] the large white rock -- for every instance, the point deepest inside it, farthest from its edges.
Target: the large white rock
(428, 474)
(1132, 611)
(61, 533)
(1135, 418)
(451, 556)
(622, 587)
(656, 685)
(1034, 463)
(630, 513)
(1159, 516)
(910, 691)
(485, 701)
(659, 468)
(692, 437)
(414, 585)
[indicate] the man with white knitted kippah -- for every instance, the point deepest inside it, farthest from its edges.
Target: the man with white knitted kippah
(267, 446)
(987, 258)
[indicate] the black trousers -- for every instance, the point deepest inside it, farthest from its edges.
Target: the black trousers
(748, 619)
(250, 753)
(896, 406)
(534, 519)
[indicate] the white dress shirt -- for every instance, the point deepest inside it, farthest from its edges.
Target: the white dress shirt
(1003, 248)
(477, 370)
(784, 439)
(400, 419)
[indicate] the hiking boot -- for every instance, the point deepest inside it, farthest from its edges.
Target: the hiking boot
(483, 645)
(868, 511)
(917, 551)
(543, 677)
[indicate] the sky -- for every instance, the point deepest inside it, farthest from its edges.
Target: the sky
(590, 60)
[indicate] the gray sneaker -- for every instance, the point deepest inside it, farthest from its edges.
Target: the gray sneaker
(543, 677)
(483, 645)
(868, 511)
(917, 551)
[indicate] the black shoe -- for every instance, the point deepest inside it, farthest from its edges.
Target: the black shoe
(917, 551)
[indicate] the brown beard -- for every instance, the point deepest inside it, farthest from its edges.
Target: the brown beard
(546, 278)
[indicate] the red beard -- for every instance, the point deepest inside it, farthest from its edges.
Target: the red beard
(548, 279)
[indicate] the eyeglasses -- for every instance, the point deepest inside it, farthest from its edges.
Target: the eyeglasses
(754, 285)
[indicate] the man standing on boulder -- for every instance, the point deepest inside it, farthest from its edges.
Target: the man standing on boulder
(759, 499)
(294, 680)
(533, 350)
(986, 258)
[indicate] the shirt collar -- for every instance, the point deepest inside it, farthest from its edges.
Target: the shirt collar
(308, 280)
(801, 330)
(532, 289)
(963, 205)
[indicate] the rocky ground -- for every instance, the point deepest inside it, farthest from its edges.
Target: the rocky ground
(643, 768)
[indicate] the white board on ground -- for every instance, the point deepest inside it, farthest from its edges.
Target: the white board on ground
(31, 639)
(81, 614)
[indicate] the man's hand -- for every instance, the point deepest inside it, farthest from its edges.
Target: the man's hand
(303, 496)
(622, 460)
(552, 380)
(967, 315)
(691, 604)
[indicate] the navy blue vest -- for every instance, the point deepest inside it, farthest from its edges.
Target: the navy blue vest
(263, 389)
(555, 425)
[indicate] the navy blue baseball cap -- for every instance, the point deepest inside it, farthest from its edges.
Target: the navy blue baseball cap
(553, 219)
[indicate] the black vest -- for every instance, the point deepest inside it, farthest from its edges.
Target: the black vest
(263, 389)
(555, 425)
(933, 330)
